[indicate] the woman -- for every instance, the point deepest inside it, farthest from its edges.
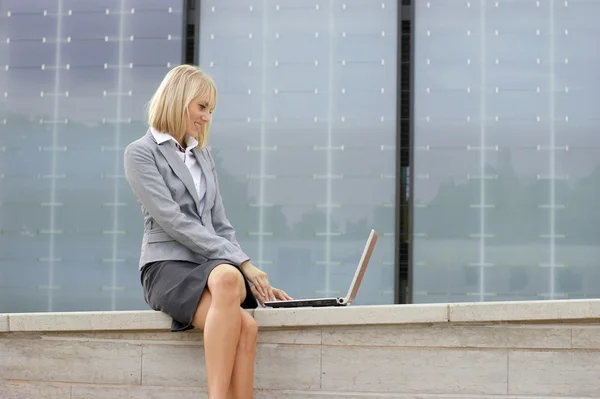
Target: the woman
(192, 267)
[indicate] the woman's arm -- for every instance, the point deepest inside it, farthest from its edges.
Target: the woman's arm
(219, 219)
(150, 188)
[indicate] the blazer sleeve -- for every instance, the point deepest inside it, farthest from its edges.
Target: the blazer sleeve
(219, 219)
(150, 188)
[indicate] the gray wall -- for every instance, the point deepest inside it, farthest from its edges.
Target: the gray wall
(506, 157)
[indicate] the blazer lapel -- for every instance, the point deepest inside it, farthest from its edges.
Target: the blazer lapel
(206, 168)
(180, 170)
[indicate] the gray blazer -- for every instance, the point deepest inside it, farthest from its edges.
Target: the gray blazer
(174, 229)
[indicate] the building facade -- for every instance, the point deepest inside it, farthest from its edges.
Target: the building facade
(464, 135)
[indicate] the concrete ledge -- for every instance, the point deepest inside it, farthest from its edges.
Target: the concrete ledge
(3, 323)
(560, 310)
(89, 321)
(512, 350)
(151, 320)
(352, 315)
(531, 311)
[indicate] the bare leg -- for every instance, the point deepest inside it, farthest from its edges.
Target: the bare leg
(242, 379)
(219, 316)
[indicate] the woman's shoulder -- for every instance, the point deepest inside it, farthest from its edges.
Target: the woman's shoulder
(143, 143)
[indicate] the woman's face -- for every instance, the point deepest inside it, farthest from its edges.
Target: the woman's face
(200, 114)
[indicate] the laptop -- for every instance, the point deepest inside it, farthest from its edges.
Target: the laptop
(354, 286)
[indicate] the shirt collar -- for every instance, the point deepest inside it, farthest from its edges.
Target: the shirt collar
(160, 138)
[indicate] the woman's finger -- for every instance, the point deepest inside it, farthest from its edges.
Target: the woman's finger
(281, 294)
(258, 297)
(287, 296)
(263, 283)
(261, 301)
(258, 287)
(269, 289)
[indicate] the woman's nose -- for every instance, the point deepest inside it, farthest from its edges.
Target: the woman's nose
(205, 118)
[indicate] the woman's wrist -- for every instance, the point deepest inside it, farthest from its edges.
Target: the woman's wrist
(245, 264)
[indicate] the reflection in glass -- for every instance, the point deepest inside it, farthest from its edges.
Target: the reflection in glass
(507, 176)
(304, 136)
(74, 79)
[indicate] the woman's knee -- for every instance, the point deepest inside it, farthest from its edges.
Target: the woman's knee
(249, 332)
(226, 281)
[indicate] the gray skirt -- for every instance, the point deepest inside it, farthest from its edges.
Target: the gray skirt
(174, 287)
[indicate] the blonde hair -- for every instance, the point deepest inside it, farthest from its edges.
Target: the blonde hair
(168, 107)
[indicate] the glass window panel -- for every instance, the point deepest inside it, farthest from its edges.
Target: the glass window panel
(70, 229)
(506, 155)
(304, 136)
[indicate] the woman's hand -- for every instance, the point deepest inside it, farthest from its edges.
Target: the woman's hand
(261, 288)
(259, 279)
(279, 295)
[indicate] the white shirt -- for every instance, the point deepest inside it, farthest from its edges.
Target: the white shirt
(188, 158)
